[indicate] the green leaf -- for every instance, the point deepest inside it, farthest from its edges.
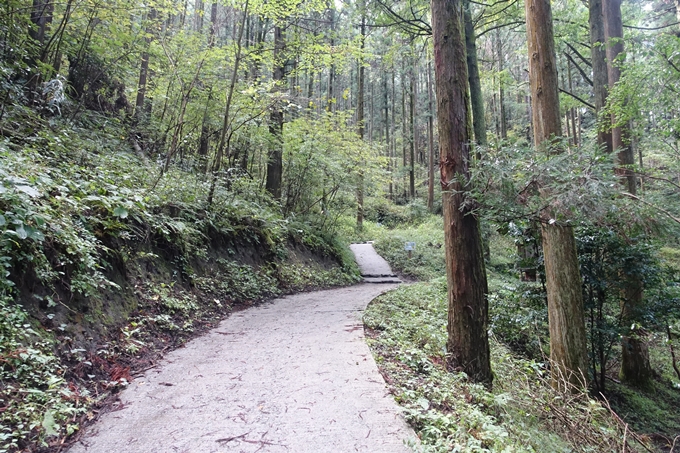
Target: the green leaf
(28, 190)
(21, 232)
(2, 220)
(49, 424)
(121, 212)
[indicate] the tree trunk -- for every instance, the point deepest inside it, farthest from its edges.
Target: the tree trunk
(275, 160)
(144, 67)
(41, 16)
(225, 133)
(404, 133)
(430, 139)
(388, 138)
(476, 98)
(213, 22)
(563, 280)
(393, 129)
(501, 89)
(613, 32)
(412, 135)
(635, 366)
(198, 15)
(360, 120)
(330, 99)
(468, 343)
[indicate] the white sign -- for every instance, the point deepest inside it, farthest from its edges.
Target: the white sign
(410, 246)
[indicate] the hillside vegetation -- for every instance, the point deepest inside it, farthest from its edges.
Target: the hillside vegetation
(111, 266)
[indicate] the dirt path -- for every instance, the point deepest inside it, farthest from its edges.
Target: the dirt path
(294, 375)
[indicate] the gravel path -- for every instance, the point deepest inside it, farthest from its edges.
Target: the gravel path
(294, 376)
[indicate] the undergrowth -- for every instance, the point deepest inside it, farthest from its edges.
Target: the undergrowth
(523, 413)
(104, 265)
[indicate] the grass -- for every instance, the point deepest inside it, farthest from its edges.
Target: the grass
(407, 331)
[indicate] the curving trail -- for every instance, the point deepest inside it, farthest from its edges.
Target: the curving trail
(293, 375)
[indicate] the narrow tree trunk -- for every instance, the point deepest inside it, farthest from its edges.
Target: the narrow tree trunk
(361, 120)
(388, 138)
(330, 99)
(275, 160)
(613, 31)
(468, 343)
(404, 132)
(412, 116)
(393, 129)
(144, 66)
(476, 98)
(572, 113)
(501, 88)
(198, 15)
(213, 22)
(41, 16)
(225, 133)
(430, 139)
(563, 280)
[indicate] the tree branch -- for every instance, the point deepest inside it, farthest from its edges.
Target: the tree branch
(635, 197)
(414, 26)
(580, 70)
(582, 101)
(652, 28)
(583, 59)
(519, 22)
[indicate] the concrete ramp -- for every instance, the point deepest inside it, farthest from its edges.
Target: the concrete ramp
(373, 267)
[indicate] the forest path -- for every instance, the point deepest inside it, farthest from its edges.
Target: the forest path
(294, 375)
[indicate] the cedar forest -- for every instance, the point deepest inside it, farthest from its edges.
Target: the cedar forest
(165, 162)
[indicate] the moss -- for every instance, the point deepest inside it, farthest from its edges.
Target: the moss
(671, 256)
(649, 411)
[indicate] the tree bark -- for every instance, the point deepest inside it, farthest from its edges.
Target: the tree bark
(330, 99)
(198, 15)
(360, 120)
(613, 32)
(412, 134)
(144, 66)
(568, 345)
(635, 366)
(501, 89)
(468, 343)
(393, 129)
(430, 139)
(476, 98)
(41, 16)
(275, 160)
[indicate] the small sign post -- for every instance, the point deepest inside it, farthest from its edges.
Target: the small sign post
(410, 247)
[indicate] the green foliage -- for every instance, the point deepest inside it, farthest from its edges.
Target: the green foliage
(390, 215)
(523, 413)
(519, 316)
(427, 260)
(78, 212)
(38, 404)
(610, 264)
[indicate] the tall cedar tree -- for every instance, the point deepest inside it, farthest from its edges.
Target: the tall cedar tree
(635, 366)
(563, 279)
(468, 313)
